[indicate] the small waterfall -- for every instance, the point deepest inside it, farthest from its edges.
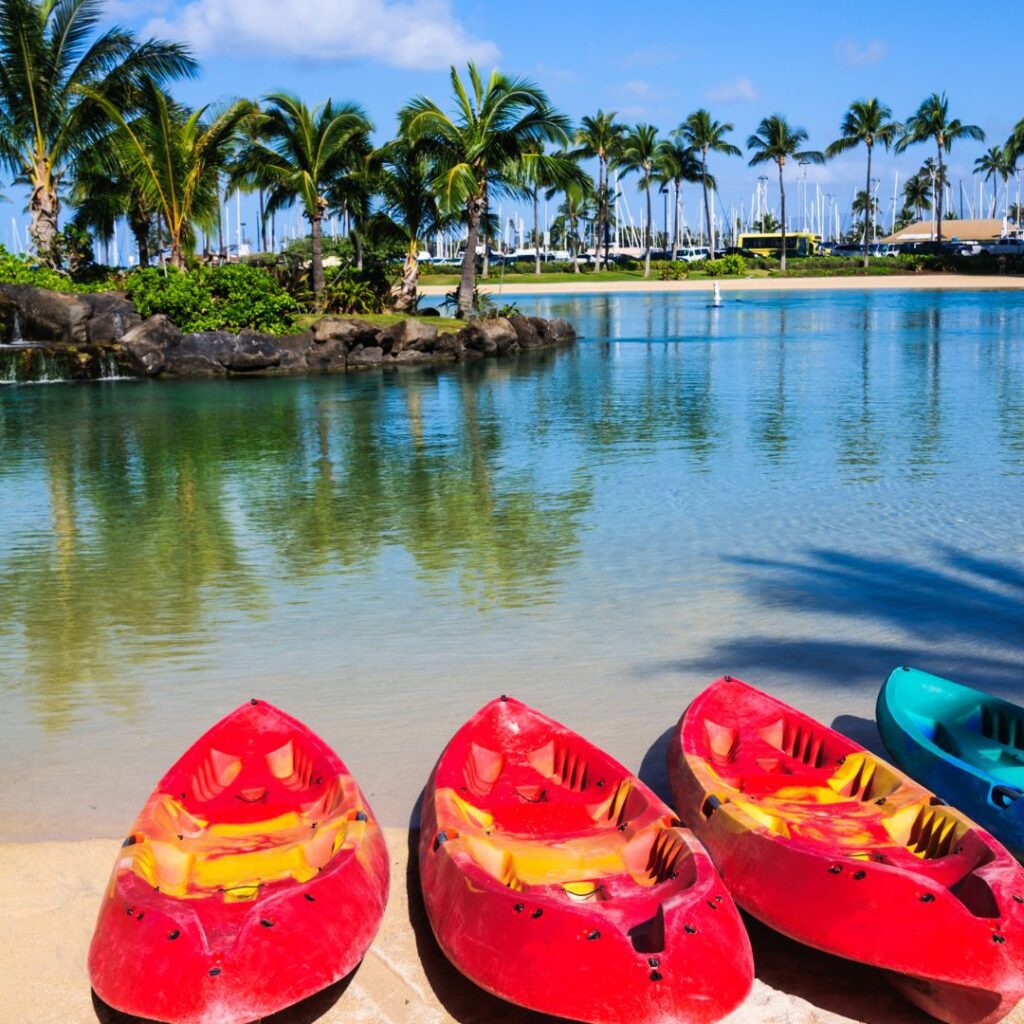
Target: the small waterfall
(26, 363)
(16, 336)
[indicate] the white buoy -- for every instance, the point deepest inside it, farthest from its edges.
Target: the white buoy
(717, 300)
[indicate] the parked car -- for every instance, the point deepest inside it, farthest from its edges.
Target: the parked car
(848, 249)
(1004, 247)
(693, 253)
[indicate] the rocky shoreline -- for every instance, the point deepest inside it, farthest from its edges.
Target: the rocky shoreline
(87, 337)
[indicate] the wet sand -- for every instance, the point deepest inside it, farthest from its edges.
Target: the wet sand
(594, 286)
(50, 892)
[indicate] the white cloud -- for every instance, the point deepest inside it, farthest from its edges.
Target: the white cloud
(739, 90)
(638, 89)
(854, 56)
(420, 34)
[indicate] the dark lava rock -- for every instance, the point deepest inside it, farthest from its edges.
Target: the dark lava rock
(148, 343)
(560, 331)
(372, 355)
(351, 332)
(526, 332)
(407, 334)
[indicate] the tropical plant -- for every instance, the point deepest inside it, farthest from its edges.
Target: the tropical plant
(869, 122)
(298, 153)
(230, 297)
(404, 185)
(997, 162)
(638, 153)
(704, 134)
(776, 141)
(53, 63)
(917, 194)
(931, 121)
(174, 156)
(599, 137)
(578, 193)
(550, 172)
(477, 151)
(674, 163)
(865, 207)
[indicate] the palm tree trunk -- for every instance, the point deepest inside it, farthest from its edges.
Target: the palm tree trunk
(867, 207)
(536, 232)
(44, 208)
(601, 202)
(319, 281)
(574, 244)
(487, 248)
(647, 233)
(782, 211)
(675, 226)
(263, 223)
(607, 215)
(406, 301)
(707, 201)
(940, 184)
(140, 229)
(467, 283)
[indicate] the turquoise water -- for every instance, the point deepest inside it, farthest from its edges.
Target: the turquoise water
(801, 489)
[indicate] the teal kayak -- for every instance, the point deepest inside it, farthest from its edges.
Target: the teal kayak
(965, 745)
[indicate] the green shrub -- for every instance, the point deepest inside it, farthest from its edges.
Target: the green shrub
(227, 298)
(670, 270)
(25, 270)
(725, 266)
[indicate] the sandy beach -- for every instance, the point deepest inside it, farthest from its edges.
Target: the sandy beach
(934, 282)
(50, 892)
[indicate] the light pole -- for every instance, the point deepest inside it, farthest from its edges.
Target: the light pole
(829, 200)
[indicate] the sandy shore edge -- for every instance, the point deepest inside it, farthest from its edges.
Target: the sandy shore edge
(916, 282)
(50, 893)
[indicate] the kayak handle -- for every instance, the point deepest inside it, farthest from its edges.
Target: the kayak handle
(1004, 796)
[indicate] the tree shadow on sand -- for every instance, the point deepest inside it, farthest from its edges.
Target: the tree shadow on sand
(960, 616)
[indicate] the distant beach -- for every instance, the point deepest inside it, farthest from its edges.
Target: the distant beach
(593, 285)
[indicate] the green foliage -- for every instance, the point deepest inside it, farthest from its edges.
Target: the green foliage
(24, 270)
(670, 270)
(230, 298)
(354, 292)
(725, 266)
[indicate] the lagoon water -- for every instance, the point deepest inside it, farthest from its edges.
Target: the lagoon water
(803, 489)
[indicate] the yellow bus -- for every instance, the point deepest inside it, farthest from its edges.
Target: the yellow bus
(769, 243)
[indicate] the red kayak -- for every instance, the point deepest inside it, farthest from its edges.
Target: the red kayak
(254, 877)
(834, 847)
(556, 880)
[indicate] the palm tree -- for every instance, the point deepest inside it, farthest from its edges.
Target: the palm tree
(776, 141)
(864, 205)
(997, 162)
(52, 64)
(931, 121)
(674, 164)
(352, 190)
(578, 192)
(870, 122)
(174, 157)
(600, 137)
(554, 172)
(637, 154)
(298, 153)
(706, 135)
(917, 194)
(477, 151)
(404, 186)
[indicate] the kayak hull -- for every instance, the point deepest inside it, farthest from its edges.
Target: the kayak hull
(875, 869)
(254, 877)
(555, 880)
(966, 745)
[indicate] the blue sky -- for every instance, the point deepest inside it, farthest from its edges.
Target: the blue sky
(656, 61)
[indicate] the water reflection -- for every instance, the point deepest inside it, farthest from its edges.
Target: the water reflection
(550, 519)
